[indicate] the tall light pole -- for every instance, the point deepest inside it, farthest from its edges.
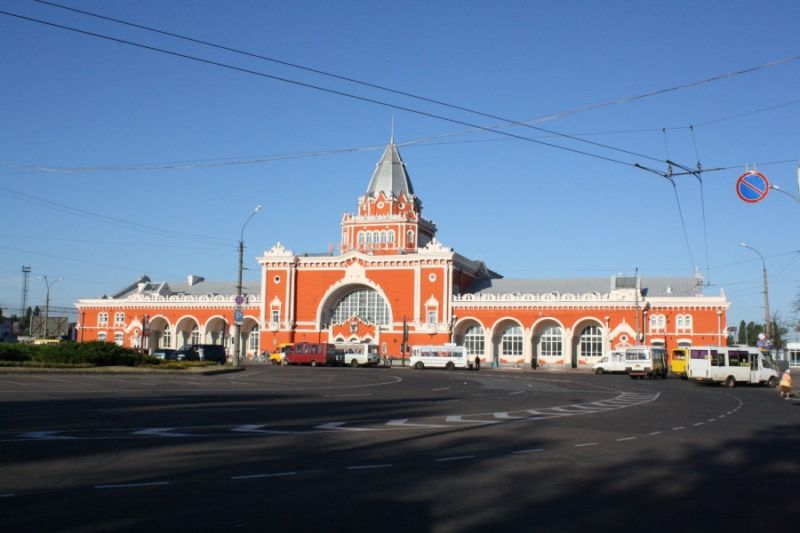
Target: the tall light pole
(237, 314)
(767, 322)
(48, 284)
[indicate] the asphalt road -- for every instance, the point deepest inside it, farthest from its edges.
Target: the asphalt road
(374, 449)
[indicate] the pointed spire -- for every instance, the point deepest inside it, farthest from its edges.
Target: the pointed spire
(390, 176)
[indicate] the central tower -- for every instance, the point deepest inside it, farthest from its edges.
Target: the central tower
(389, 217)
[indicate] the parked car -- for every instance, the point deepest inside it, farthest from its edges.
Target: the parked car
(611, 362)
(165, 354)
(201, 352)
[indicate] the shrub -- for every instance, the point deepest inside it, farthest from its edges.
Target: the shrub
(15, 352)
(93, 353)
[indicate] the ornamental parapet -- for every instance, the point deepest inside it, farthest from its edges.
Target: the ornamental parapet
(227, 299)
(548, 297)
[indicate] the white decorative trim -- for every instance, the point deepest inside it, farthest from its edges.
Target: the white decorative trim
(434, 247)
(278, 251)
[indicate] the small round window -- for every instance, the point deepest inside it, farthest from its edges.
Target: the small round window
(432, 277)
(401, 205)
(380, 205)
(277, 279)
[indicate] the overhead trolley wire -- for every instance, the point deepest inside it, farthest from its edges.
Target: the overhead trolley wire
(506, 121)
(318, 88)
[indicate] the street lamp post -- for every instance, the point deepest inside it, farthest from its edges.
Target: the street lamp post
(767, 322)
(237, 309)
(48, 284)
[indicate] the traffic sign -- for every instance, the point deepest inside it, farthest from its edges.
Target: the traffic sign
(238, 315)
(239, 299)
(752, 186)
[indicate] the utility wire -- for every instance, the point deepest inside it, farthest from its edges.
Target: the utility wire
(699, 177)
(333, 91)
(668, 176)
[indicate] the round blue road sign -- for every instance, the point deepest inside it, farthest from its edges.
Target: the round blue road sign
(752, 186)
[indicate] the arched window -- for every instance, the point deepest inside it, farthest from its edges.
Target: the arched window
(550, 342)
(511, 342)
(195, 337)
(166, 338)
(360, 237)
(653, 322)
(390, 236)
(119, 338)
(102, 319)
(474, 340)
(591, 341)
(252, 340)
(366, 304)
(410, 236)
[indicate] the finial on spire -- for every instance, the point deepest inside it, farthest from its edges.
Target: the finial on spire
(391, 137)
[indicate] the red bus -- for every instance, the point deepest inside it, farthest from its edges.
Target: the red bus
(311, 353)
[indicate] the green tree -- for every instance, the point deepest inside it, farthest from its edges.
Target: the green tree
(741, 339)
(779, 330)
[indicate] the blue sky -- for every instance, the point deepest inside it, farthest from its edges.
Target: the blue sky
(178, 153)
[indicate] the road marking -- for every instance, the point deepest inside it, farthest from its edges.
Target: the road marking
(532, 450)
(368, 467)
(339, 425)
(443, 388)
(403, 422)
(516, 392)
(678, 428)
(655, 433)
(160, 432)
(455, 458)
(7, 495)
(131, 485)
(586, 444)
(697, 424)
(255, 476)
(459, 418)
(9, 381)
(712, 420)
(347, 395)
(254, 428)
(507, 416)
(625, 438)
(47, 435)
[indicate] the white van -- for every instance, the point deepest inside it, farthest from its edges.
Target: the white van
(357, 354)
(646, 361)
(737, 364)
(611, 362)
(447, 356)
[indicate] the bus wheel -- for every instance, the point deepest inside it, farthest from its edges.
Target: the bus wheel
(419, 365)
(353, 363)
(450, 366)
(771, 382)
(730, 382)
(599, 370)
(313, 363)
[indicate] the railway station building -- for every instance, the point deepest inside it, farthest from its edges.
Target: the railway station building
(392, 283)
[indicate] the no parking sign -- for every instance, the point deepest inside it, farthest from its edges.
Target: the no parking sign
(752, 186)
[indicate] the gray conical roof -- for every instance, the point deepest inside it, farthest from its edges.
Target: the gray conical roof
(390, 176)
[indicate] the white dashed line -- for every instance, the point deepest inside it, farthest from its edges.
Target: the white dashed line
(655, 433)
(256, 476)
(698, 424)
(678, 428)
(7, 495)
(586, 444)
(131, 485)
(532, 450)
(625, 438)
(455, 458)
(516, 392)
(369, 467)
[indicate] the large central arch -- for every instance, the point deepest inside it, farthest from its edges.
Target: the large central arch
(355, 300)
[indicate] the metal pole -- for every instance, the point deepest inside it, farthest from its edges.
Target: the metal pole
(238, 324)
(47, 300)
(767, 321)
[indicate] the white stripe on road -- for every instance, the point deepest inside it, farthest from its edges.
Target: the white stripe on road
(678, 428)
(516, 392)
(131, 485)
(255, 476)
(455, 458)
(532, 450)
(367, 467)
(7, 495)
(586, 444)
(654, 433)
(625, 438)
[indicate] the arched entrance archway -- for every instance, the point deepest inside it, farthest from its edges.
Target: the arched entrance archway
(507, 343)
(187, 331)
(354, 311)
(161, 335)
(471, 334)
(547, 343)
(588, 342)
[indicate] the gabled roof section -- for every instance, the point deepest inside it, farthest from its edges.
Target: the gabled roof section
(390, 176)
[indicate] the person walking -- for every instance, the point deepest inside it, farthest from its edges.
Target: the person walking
(786, 384)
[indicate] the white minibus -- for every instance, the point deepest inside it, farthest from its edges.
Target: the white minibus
(447, 356)
(739, 364)
(357, 353)
(646, 361)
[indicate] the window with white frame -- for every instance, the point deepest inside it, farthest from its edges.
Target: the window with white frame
(683, 323)
(410, 237)
(432, 316)
(366, 304)
(195, 336)
(102, 319)
(119, 338)
(101, 336)
(252, 341)
(474, 340)
(276, 316)
(551, 341)
(591, 342)
(390, 236)
(511, 341)
(658, 323)
(119, 319)
(360, 237)
(166, 338)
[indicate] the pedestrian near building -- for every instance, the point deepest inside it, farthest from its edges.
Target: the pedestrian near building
(786, 384)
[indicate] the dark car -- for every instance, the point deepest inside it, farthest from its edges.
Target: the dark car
(165, 354)
(201, 352)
